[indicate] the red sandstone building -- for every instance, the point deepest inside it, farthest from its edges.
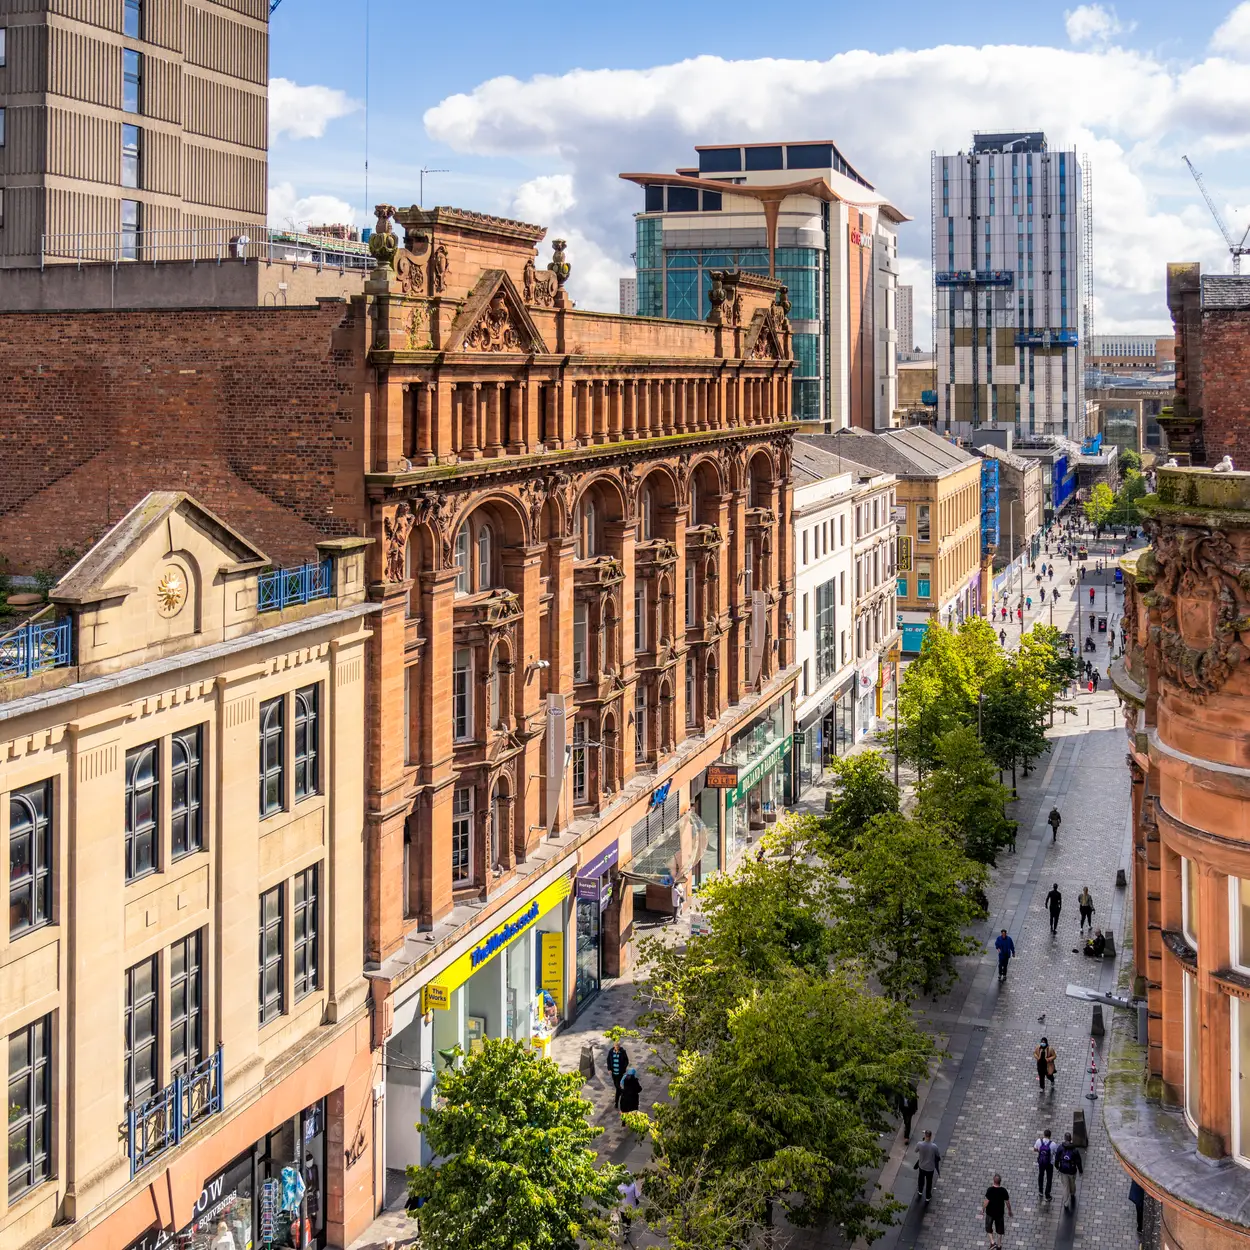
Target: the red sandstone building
(1178, 1101)
(579, 690)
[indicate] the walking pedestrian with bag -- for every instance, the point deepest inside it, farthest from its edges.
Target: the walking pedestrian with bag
(1054, 905)
(1045, 1151)
(1085, 902)
(1069, 1166)
(996, 1201)
(618, 1065)
(1044, 1056)
(928, 1161)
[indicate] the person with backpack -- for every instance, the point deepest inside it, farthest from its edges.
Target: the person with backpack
(1085, 903)
(928, 1161)
(1054, 820)
(1054, 905)
(1044, 1056)
(1006, 948)
(1068, 1165)
(1045, 1150)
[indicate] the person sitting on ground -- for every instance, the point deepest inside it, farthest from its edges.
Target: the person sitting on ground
(1096, 946)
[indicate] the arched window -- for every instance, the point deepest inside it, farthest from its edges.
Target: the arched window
(484, 549)
(464, 575)
(142, 807)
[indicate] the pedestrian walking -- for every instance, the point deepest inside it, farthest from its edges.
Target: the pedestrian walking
(1094, 680)
(1002, 637)
(1069, 1166)
(631, 1200)
(618, 1065)
(1091, 594)
(996, 1201)
(1054, 820)
(907, 1102)
(1054, 905)
(1020, 615)
(1004, 612)
(1044, 1057)
(631, 1089)
(928, 1161)
(1137, 1196)
(1051, 575)
(1045, 1149)
(1028, 603)
(1006, 948)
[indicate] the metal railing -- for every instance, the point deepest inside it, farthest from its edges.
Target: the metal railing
(120, 247)
(283, 587)
(36, 645)
(165, 1119)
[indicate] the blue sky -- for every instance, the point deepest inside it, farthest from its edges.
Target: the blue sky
(534, 109)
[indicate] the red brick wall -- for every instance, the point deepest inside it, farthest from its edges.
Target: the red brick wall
(256, 412)
(1226, 386)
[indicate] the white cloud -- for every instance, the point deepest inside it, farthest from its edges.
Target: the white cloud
(1233, 36)
(1133, 113)
(1092, 23)
(289, 210)
(304, 112)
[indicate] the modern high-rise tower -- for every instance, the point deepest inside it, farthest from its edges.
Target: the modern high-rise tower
(906, 321)
(1011, 251)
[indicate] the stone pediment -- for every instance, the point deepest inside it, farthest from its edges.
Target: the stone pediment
(762, 341)
(494, 319)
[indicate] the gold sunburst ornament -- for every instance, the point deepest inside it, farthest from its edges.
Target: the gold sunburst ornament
(171, 591)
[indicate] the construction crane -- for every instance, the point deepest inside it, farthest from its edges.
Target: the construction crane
(1235, 250)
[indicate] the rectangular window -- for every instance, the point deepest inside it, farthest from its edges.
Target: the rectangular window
(132, 143)
(923, 532)
(462, 694)
(305, 944)
(142, 810)
(804, 546)
(128, 244)
(640, 617)
(1193, 1044)
(132, 81)
(30, 858)
(462, 836)
(692, 691)
(826, 632)
(30, 1106)
(805, 625)
(272, 994)
(902, 588)
(272, 756)
(186, 998)
(692, 595)
(142, 1024)
(1189, 902)
(1239, 891)
(307, 728)
(579, 761)
(806, 665)
(581, 666)
(132, 19)
(922, 586)
(185, 828)
(1, 128)
(640, 724)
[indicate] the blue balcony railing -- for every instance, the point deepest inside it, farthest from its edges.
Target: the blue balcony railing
(35, 646)
(165, 1119)
(283, 587)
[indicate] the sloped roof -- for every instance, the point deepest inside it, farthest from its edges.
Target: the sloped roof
(913, 452)
(1225, 290)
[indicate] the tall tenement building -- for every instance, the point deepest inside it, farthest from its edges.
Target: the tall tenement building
(1011, 243)
(127, 124)
(800, 213)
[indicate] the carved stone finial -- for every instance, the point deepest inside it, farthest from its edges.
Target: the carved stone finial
(383, 243)
(559, 265)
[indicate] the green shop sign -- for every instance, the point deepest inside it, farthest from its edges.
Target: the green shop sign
(751, 778)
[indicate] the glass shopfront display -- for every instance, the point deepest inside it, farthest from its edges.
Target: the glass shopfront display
(589, 948)
(761, 753)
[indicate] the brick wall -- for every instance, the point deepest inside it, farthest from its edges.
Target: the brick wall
(257, 412)
(1226, 386)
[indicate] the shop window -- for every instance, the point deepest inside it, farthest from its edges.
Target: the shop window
(186, 1033)
(272, 950)
(306, 933)
(1193, 1043)
(307, 728)
(142, 1023)
(462, 836)
(29, 1105)
(1189, 901)
(30, 858)
(142, 808)
(185, 828)
(923, 529)
(462, 694)
(581, 666)
(272, 756)
(579, 762)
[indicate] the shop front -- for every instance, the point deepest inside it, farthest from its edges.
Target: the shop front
(866, 697)
(809, 746)
(271, 1195)
(506, 981)
(760, 753)
(592, 895)
(913, 626)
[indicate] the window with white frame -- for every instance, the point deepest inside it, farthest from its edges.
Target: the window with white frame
(640, 723)
(464, 572)
(495, 694)
(579, 761)
(585, 544)
(1240, 1072)
(640, 616)
(694, 502)
(462, 694)
(485, 551)
(692, 691)
(581, 634)
(462, 836)
(1239, 932)
(1189, 901)
(692, 594)
(646, 518)
(1193, 1042)
(923, 530)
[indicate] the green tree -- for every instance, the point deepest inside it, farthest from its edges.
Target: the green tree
(516, 1169)
(864, 791)
(1132, 488)
(1129, 460)
(964, 797)
(1099, 505)
(903, 897)
(1049, 649)
(937, 694)
(1013, 714)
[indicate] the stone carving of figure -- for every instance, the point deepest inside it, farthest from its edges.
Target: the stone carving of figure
(559, 265)
(397, 529)
(383, 243)
(438, 268)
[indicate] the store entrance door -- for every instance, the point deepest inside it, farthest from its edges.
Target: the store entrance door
(588, 948)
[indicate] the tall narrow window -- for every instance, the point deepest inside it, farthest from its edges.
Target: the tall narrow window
(132, 142)
(579, 761)
(640, 723)
(184, 783)
(464, 578)
(484, 553)
(142, 810)
(585, 545)
(30, 1106)
(462, 694)
(692, 594)
(1189, 901)
(186, 997)
(694, 503)
(272, 994)
(749, 553)
(647, 506)
(923, 531)
(1, 128)
(272, 756)
(30, 858)
(132, 81)
(305, 950)
(142, 1024)
(1193, 1044)
(692, 691)
(495, 699)
(128, 242)
(640, 616)
(307, 730)
(132, 19)
(462, 836)
(581, 668)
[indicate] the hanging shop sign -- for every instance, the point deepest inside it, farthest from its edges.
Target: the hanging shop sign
(552, 965)
(903, 560)
(722, 776)
(599, 866)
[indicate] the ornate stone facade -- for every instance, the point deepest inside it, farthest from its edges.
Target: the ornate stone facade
(1184, 681)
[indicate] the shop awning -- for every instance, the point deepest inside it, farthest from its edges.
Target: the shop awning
(672, 856)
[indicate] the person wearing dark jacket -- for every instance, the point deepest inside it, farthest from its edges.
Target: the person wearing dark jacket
(1006, 949)
(1054, 905)
(618, 1065)
(1068, 1165)
(907, 1104)
(631, 1088)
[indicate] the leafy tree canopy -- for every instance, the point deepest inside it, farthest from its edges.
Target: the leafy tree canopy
(964, 797)
(1100, 504)
(864, 790)
(1129, 460)
(1013, 714)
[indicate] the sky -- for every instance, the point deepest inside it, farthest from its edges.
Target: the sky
(531, 111)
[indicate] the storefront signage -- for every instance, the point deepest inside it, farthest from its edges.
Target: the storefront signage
(904, 553)
(868, 676)
(460, 970)
(601, 862)
(751, 778)
(587, 889)
(861, 238)
(553, 965)
(435, 998)
(659, 796)
(722, 776)
(221, 1194)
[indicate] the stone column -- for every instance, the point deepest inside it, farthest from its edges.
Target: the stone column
(629, 400)
(495, 399)
(424, 451)
(469, 398)
(518, 419)
(616, 405)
